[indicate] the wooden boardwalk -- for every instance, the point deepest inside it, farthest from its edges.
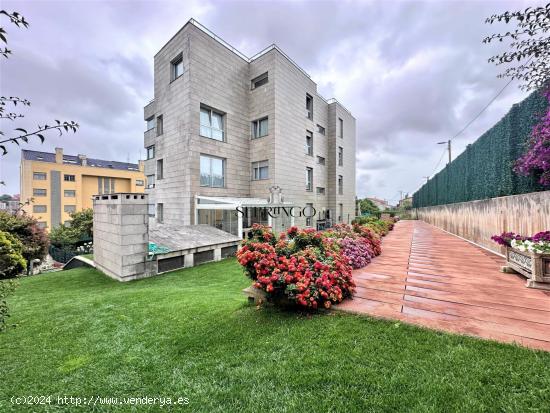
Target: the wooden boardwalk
(428, 277)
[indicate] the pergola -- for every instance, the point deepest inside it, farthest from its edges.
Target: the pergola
(253, 210)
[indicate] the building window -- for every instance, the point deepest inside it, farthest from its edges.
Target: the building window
(320, 160)
(340, 156)
(260, 128)
(151, 210)
(151, 122)
(259, 81)
(42, 224)
(69, 209)
(38, 209)
(139, 182)
(69, 193)
(150, 152)
(69, 178)
(340, 212)
(309, 107)
(176, 66)
(309, 143)
(320, 129)
(308, 211)
(212, 171)
(340, 185)
(212, 124)
(309, 179)
(320, 190)
(160, 169)
(160, 212)
(260, 170)
(39, 192)
(160, 126)
(105, 185)
(150, 181)
(39, 176)
(341, 128)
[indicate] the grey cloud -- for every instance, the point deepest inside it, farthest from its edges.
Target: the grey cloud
(412, 73)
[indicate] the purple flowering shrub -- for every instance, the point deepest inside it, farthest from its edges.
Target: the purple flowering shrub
(356, 251)
(537, 157)
(506, 238)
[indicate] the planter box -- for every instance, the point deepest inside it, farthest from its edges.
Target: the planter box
(536, 267)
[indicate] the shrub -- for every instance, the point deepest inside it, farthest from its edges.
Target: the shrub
(301, 266)
(12, 262)
(25, 228)
(78, 231)
(7, 287)
(356, 251)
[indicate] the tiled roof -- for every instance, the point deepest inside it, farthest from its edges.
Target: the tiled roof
(75, 160)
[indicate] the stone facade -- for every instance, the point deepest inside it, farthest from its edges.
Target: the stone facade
(218, 77)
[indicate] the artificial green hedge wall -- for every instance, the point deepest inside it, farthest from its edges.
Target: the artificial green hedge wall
(485, 169)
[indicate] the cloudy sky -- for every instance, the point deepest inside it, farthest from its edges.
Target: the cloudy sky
(412, 73)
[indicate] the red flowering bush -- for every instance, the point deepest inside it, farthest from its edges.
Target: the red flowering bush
(301, 266)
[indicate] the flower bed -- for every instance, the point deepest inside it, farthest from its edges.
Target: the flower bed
(529, 256)
(305, 267)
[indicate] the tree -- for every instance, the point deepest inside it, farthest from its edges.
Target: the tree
(368, 207)
(530, 44)
(25, 228)
(79, 230)
(12, 262)
(20, 134)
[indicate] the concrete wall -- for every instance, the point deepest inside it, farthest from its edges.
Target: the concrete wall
(477, 221)
(121, 235)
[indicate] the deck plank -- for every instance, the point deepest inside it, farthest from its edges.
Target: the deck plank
(430, 278)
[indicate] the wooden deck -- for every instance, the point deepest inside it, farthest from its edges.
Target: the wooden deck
(428, 277)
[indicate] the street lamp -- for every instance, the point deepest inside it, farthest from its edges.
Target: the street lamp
(448, 143)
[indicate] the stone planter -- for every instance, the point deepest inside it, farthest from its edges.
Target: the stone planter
(536, 267)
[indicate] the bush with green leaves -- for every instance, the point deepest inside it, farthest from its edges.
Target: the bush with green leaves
(12, 262)
(7, 287)
(25, 228)
(80, 230)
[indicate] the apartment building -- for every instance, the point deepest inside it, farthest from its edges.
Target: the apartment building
(61, 184)
(226, 132)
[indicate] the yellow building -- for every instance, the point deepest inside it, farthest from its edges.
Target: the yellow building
(61, 184)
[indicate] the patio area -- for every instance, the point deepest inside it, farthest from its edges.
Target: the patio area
(428, 277)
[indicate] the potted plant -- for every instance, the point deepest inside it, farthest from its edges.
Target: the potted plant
(529, 256)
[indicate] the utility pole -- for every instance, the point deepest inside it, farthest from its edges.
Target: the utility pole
(448, 147)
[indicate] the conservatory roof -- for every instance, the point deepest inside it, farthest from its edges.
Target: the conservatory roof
(236, 202)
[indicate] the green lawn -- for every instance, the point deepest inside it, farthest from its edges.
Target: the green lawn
(191, 334)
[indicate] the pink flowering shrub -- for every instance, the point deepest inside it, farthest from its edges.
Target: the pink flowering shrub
(537, 157)
(356, 251)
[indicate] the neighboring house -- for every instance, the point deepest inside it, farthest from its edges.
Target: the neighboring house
(227, 131)
(382, 204)
(9, 206)
(61, 184)
(405, 203)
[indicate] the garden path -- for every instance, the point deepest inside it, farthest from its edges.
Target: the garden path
(430, 278)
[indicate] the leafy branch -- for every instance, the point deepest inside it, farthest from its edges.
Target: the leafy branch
(530, 43)
(61, 127)
(13, 100)
(16, 19)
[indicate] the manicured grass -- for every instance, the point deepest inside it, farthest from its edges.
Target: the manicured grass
(191, 334)
(89, 256)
